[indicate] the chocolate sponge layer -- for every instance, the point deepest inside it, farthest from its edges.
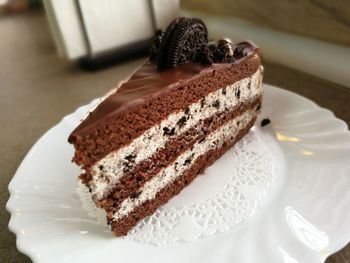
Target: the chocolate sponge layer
(130, 184)
(148, 98)
(122, 226)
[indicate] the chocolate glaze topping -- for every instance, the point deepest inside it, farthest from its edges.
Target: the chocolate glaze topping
(147, 81)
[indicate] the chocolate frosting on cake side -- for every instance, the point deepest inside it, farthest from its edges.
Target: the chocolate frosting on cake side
(146, 82)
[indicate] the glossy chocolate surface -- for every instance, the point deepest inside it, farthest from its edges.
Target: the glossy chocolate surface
(147, 81)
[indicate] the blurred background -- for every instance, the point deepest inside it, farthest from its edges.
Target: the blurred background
(56, 55)
(312, 36)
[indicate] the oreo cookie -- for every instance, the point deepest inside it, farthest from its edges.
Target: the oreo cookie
(225, 50)
(186, 40)
(161, 57)
(154, 50)
(210, 53)
(218, 52)
(183, 41)
(242, 49)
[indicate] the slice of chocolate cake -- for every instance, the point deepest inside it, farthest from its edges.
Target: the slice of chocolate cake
(174, 117)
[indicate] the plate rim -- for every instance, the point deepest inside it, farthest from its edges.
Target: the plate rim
(25, 248)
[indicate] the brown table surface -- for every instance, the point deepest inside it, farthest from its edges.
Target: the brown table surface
(37, 89)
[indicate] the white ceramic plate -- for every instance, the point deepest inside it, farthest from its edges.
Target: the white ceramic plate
(302, 216)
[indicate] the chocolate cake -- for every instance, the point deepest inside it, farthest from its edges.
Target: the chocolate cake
(177, 114)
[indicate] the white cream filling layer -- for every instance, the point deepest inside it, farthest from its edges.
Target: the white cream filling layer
(107, 171)
(214, 140)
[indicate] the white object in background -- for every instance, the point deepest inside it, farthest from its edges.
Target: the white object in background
(164, 12)
(322, 59)
(110, 24)
(66, 28)
(89, 28)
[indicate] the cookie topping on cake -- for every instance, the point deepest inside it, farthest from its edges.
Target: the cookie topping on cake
(242, 49)
(154, 50)
(226, 50)
(186, 40)
(183, 41)
(210, 53)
